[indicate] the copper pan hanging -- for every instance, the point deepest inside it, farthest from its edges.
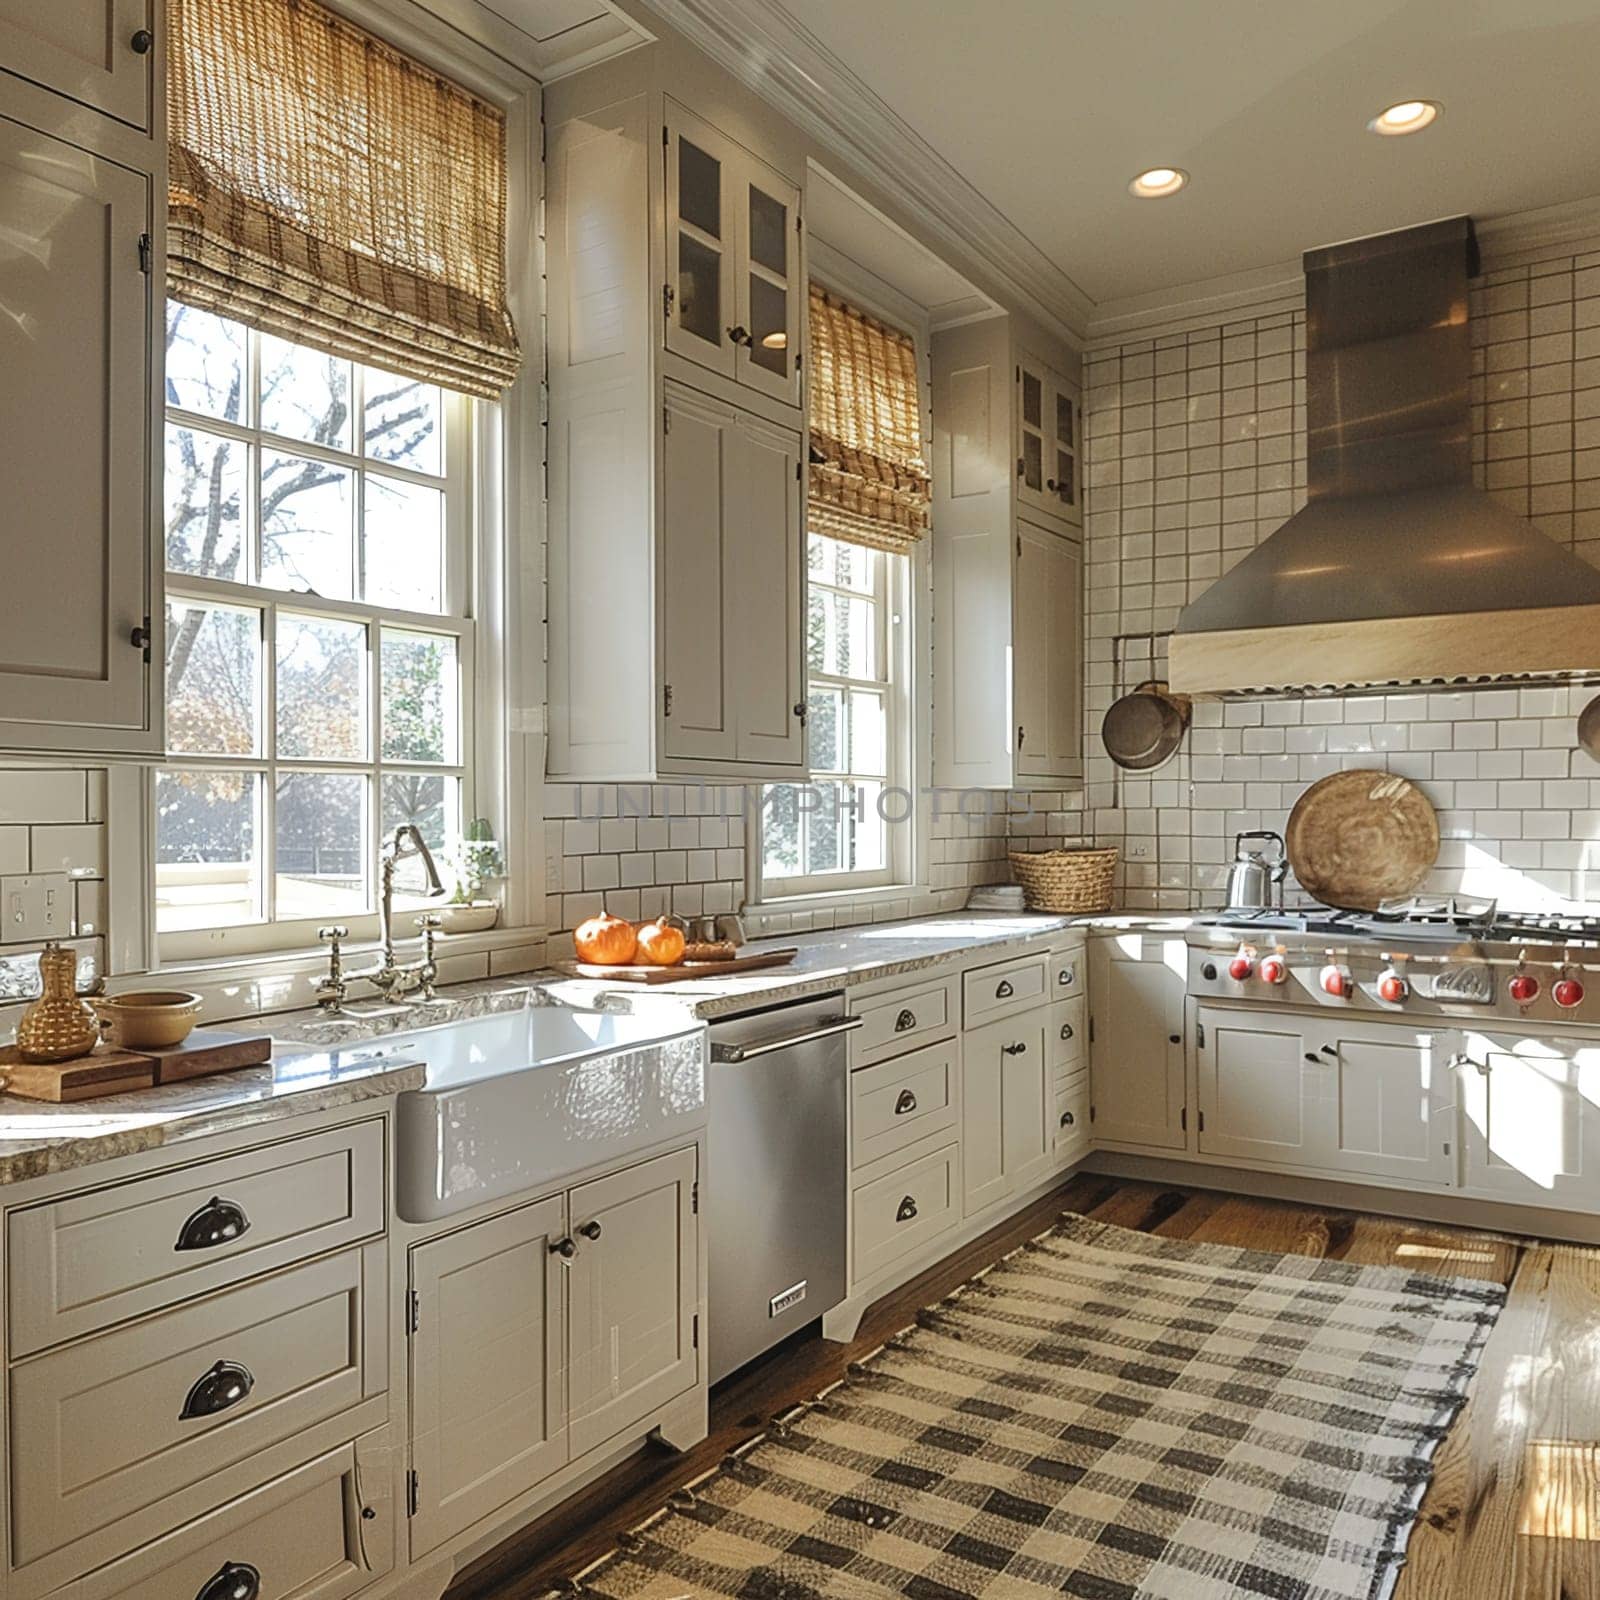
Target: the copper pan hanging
(1144, 728)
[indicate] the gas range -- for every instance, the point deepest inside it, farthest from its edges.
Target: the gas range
(1454, 957)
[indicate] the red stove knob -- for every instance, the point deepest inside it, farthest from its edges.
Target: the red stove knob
(1567, 993)
(1393, 988)
(1274, 969)
(1335, 982)
(1240, 967)
(1524, 988)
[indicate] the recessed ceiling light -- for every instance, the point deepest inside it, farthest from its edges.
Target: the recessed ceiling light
(775, 341)
(1405, 116)
(1156, 182)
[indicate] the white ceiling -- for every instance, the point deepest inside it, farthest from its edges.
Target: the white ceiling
(1048, 107)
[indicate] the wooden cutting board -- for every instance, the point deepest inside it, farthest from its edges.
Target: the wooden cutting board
(1358, 838)
(683, 971)
(108, 1070)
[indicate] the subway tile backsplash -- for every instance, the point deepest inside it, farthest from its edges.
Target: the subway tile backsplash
(1195, 453)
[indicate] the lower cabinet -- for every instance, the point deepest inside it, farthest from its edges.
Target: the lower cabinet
(321, 1532)
(1368, 1099)
(541, 1333)
(1136, 995)
(1007, 1100)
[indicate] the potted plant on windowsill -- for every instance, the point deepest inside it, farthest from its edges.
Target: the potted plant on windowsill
(475, 860)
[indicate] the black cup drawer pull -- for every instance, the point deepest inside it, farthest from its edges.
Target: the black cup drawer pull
(1067, 1119)
(906, 1020)
(217, 1222)
(1066, 1030)
(906, 1103)
(220, 1389)
(1003, 989)
(1067, 975)
(237, 1580)
(908, 1209)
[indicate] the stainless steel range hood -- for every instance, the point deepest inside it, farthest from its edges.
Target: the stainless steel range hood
(1398, 570)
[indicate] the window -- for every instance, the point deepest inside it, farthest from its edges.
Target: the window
(837, 832)
(319, 649)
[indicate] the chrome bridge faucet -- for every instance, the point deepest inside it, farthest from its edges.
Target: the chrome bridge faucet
(387, 978)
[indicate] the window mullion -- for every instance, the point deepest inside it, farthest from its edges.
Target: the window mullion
(269, 749)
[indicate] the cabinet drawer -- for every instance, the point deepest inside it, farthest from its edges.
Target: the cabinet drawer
(1066, 974)
(83, 1263)
(103, 1430)
(1066, 1038)
(321, 1532)
(894, 1023)
(898, 1102)
(897, 1214)
(1069, 1127)
(1000, 990)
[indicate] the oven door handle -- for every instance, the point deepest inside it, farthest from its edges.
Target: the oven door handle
(748, 1052)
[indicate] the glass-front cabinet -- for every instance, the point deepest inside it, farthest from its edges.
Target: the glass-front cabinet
(1049, 442)
(734, 287)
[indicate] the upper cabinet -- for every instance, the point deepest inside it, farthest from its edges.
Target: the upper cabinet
(733, 292)
(676, 574)
(96, 52)
(1007, 564)
(1049, 435)
(79, 617)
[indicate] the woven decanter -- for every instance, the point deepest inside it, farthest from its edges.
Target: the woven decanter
(58, 1026)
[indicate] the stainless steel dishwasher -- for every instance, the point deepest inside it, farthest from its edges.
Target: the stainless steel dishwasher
(775, 1192)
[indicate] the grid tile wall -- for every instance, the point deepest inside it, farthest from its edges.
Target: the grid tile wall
(1195, 453)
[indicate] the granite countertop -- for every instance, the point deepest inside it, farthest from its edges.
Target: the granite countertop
(39, 1137)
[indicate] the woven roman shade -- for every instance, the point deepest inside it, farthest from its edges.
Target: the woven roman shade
(869, 480)
(329, 189)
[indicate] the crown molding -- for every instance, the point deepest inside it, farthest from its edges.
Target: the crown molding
(761, 45)
(1520, 237)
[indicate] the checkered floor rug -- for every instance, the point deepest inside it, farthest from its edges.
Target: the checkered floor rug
(1106, 1415)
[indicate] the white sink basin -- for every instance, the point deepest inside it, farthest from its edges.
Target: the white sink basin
(519, 1098)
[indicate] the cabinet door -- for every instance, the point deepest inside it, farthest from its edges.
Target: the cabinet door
(87, 50)
(763, 601)
(697, 717)
(1005, 1133)
(1049, 433)
(1047, 659)
(74, 409)
(487, 1409)
(702, 248)
(1257, 1092)
(1391, 1109)
(632, 1297)
(771, 284)
(1531, 1123)
(1136, 988)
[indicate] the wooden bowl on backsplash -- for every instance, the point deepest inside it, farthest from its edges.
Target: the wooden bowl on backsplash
(149, 1019)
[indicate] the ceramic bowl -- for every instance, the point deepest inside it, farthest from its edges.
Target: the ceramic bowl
(149, 1019)
(473, 917)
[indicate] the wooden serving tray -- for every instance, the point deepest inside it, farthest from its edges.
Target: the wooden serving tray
(108, 1070)
(684, 970)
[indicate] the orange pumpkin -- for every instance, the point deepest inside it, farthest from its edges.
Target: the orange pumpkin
(607, 941)
(661, 943)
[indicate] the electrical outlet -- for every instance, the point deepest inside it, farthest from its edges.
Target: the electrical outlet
(36, 907)
(1137, 852)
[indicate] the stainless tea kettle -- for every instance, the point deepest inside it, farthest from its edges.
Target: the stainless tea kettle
(1255, 881)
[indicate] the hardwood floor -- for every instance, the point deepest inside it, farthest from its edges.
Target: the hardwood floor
(1512, 1513)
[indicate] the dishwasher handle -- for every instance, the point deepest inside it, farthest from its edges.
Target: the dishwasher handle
(748, 1052)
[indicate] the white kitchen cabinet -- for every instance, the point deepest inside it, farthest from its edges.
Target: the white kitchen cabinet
(1008, 584)
(96, 52)
(733, 290)
(1048, 575)
(488, 1411)
(1530, 1119)
(1252, 1092)
(1392, 1095)
(731, 595)
(632, 1286)
(1048, 413)
(75, 280)
(676, 560)
(1136, 1027)
(1007, 1100)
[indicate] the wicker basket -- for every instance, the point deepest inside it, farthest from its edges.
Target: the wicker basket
(1065, 880)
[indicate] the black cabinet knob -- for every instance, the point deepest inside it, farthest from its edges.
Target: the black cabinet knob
(220, 1389)
(739, 335)
(565, 1248)
(590, 1230)
(1015, 1049)
(237, 1580)
(1209, 971)
(1174, 1038)
(217, 1222)
(141, 42)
